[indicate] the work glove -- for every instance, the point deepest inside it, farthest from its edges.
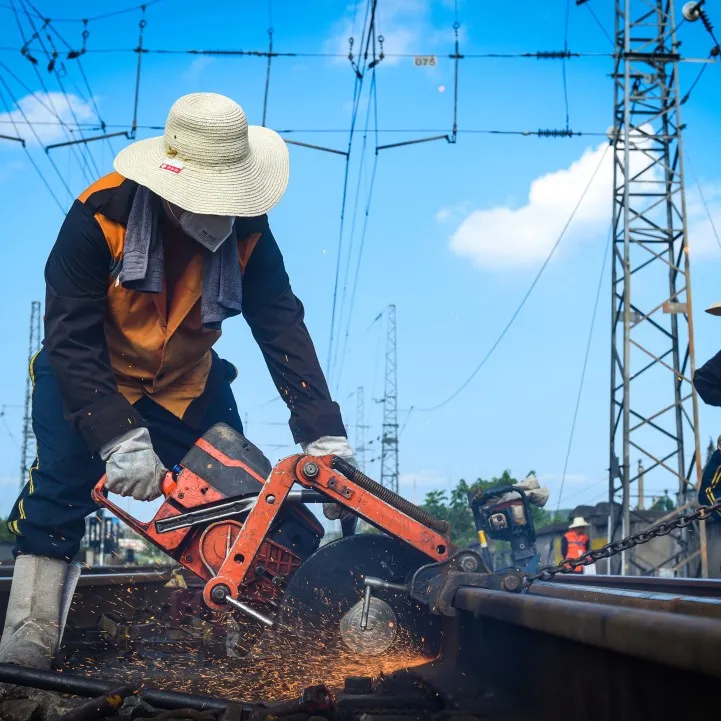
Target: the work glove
(536, 494)
(336, 446)
(132, 467)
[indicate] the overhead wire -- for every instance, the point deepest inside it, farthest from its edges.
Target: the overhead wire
(586, 357)
(599, 23)
(705, 204)
(81, 159)
(77, 57)
(563, 60)
(27, 152)
(525, 298)
(93, 18)
(357, 91)
(372, 101)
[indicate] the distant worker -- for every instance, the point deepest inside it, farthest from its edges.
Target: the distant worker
(149, 263)
(707, 381)
(575, 541)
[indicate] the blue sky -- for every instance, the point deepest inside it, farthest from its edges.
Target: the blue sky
(455, 233)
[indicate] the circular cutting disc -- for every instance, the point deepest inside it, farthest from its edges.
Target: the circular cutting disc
(330, 583)
(380, 630)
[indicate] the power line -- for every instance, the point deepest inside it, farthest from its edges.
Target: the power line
(93, 18)
(563, 61)
(357, 88)
(82, 160)
(521, 55)
(583, 370)
(372, 98)
(525, 297)
(27, 152)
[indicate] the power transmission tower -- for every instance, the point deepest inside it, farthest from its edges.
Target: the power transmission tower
(28, 449)
(360, 439)
(654, 409)
(389, 432)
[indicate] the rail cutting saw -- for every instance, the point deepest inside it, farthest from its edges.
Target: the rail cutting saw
(244, 528)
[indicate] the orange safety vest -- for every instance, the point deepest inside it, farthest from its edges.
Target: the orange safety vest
(577, 546)
(155, 351)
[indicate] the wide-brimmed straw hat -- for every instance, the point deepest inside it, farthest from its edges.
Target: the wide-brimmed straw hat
(578, 522)
(715, 309)
(210, 160)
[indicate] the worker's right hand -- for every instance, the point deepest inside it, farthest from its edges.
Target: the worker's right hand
(132, 468)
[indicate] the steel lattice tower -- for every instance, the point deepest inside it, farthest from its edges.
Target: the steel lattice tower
(654, 409)
(360, 440)
(389, 433)
(28, 449)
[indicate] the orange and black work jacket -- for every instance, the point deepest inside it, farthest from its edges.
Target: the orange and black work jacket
(110, 346)
(574, 545)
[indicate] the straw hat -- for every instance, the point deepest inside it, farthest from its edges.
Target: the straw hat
(715, 309)
(209, 160)
(578, 522)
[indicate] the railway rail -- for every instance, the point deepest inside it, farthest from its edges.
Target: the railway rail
(593, 647)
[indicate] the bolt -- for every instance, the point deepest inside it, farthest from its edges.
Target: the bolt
(219, 593)
(270, 499)
(468, 563)
(511, 584)
(188, 558)
(310, 469)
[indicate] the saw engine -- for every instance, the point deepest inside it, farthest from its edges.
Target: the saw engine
(206, 500)
(242, 526)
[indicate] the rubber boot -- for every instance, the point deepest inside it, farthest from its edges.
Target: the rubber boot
(32, 624)
(40, 597)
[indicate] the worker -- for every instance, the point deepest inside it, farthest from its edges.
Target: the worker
(707, 382)
(149, 263)
(575, 542)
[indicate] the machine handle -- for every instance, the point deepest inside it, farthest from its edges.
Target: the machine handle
(484, 496)
(99, 494)
(167, 486)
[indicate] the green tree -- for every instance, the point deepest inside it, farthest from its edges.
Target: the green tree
(453, 507)
(665, 503)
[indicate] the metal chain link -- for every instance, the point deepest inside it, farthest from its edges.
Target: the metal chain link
(569, 565)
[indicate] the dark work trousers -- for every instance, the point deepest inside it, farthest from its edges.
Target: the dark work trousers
(48, 518)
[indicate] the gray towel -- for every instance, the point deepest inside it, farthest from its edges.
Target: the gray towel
(143, 263)
(143, 260)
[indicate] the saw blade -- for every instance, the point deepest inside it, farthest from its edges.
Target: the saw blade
(320, 607)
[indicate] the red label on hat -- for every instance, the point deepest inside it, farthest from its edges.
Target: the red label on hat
(172, 167)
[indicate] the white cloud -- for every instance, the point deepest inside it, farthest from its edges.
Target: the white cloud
(45, 112)
(504, 236)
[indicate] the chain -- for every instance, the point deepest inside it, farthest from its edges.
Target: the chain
(569, 565)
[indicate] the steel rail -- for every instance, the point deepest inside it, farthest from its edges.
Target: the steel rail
(706, 587)
(682, 641)
(682, 603)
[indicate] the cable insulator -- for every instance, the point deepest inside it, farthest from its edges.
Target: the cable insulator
(551, 133)
(553, 54)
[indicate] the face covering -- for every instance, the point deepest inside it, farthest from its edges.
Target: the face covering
(209, 230)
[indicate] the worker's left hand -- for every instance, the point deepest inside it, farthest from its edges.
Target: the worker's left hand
(536, 494)
(336, 446)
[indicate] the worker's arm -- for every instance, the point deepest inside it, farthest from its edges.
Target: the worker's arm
(275, 317)
(76, 279)
(707, 381)
(564, 546)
